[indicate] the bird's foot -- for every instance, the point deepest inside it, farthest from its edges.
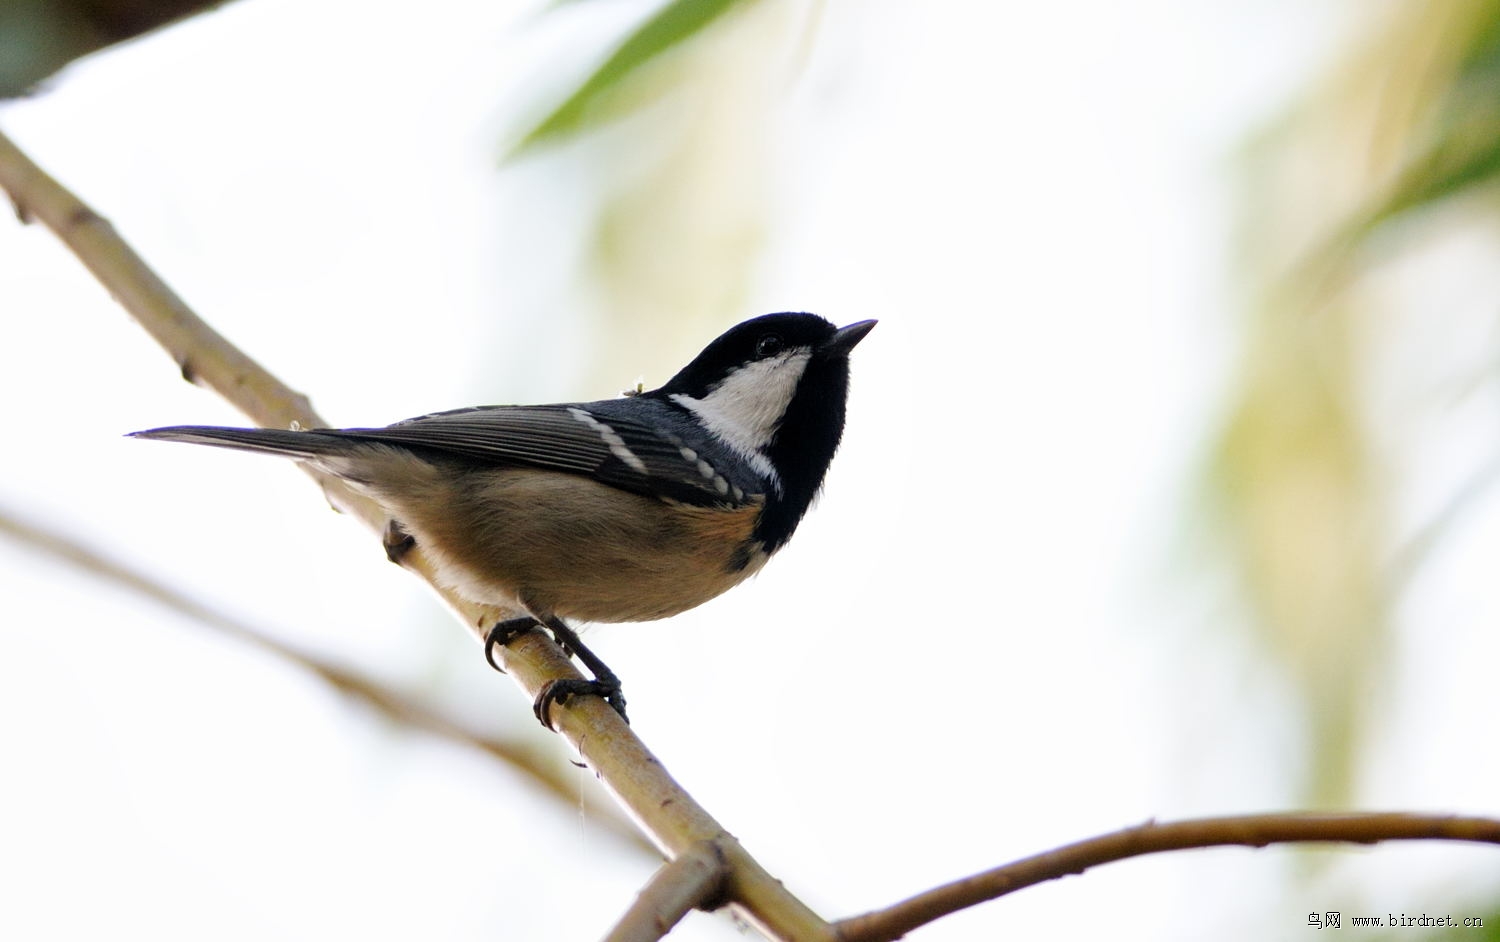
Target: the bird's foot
(605, 683)
(561, 691)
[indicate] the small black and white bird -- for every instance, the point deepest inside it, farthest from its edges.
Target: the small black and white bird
(626, 509)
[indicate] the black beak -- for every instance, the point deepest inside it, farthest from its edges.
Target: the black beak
(844, 339)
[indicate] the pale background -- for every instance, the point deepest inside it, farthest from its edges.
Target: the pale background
(1002, 629)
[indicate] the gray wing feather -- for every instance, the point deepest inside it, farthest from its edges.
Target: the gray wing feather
(646, 457)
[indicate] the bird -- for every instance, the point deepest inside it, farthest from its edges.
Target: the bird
(619, 510)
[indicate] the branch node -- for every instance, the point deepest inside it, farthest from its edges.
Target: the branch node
(698, 878)
(83, 216)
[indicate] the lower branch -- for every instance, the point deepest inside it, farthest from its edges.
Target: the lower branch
(1255, 830)
(386, 701)
(694, 880)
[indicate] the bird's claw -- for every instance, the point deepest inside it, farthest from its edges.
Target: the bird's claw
(561, 691)
(504, 633)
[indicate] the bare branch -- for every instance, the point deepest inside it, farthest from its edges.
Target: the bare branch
(203, 356)
(695, 880)
(392, 704)
(1256, 830)
(674, 821)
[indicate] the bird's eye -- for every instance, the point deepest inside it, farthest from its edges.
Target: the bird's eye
(769, 345)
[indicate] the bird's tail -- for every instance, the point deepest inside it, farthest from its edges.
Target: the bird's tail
(266, 441)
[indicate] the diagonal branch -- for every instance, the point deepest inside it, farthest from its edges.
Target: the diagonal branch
(1256, 830)
(201, 353)
(673, 820)
(391, 704)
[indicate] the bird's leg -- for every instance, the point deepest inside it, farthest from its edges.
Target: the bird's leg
(605, 683)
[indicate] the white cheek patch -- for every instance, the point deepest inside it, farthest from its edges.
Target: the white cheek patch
(617, 446)
(745, 408)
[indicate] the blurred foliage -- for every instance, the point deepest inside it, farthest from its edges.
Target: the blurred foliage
(1410, 122)
(1460, 153)
(598, 96)
(39, 37)
(677, 172)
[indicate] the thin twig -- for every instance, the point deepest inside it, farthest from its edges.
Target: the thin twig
(391, 704)
(692, 881)
(1256, 830)
(673, 820)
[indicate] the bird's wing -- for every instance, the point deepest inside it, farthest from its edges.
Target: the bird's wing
(631, 448)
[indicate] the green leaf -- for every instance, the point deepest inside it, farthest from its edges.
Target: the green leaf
(1458, 163)
(1463, 153)
(673, 24)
